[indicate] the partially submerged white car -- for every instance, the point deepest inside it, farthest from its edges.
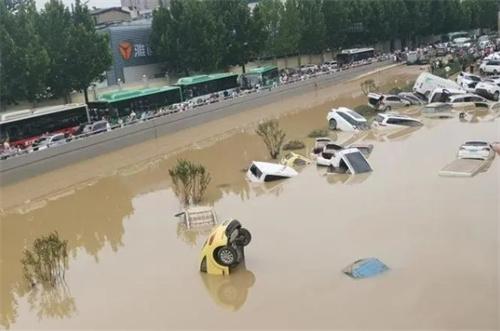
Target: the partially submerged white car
(478, 150)
(391, 120)
(260, 172)
(345, 119)
(386, 102)
(437, 110)
(350, 161)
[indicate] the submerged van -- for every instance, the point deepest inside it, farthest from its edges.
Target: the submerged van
(260, 172)
(426, 83)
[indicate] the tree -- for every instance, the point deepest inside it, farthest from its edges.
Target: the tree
(233, 28)
(270, 11)
(313, 36)
(272, 135)
(23, 61)
(88, 53)
(56, 17)
(184, 36)
(290, 30)
(336, 22)
(190, 181)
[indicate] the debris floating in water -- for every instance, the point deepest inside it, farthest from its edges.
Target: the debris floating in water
(365, 268)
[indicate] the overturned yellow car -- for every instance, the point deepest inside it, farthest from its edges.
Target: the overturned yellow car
(223, 250)
(292, 159)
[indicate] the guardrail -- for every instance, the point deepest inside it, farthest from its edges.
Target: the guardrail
(26, 165)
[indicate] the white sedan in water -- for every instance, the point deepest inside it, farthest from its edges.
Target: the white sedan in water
(479, 150)
(345, 119)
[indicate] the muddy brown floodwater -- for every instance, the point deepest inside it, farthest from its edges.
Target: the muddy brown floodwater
(133, 266)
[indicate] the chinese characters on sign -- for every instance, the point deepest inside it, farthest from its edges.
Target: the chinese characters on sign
(140, 50)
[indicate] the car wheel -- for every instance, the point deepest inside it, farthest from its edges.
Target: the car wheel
(333, 124)
(496, 96)
(226, 256)
(203, 265)
(244, 237)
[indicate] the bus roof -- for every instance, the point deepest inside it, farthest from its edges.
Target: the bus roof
(115, 96)
(34, 112)
(356, 50)
(191, 80)
(262, 69)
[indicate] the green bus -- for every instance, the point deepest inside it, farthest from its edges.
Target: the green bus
(117, 104)
(205, 85)
(263, 76)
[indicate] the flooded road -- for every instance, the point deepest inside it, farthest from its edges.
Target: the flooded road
(134, 266)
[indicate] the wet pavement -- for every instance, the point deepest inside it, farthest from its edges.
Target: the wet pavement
(133, 265)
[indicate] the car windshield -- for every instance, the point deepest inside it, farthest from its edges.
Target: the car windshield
(474, 78)
(355, 115)
(358, 162)
(476, 143)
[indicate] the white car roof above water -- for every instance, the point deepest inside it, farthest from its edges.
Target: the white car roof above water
(275, 169)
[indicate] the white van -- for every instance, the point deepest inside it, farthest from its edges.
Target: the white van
(426, 83)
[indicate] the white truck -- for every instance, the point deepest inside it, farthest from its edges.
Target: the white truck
(426, 83)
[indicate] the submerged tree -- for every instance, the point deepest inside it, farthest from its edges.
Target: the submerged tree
(272, 135)
(368, 86)
(190, 181)
(46, 262)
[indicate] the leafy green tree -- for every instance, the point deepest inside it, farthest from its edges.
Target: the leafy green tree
(270, 11)
(55, 28)
(88, 53)
(184, 36)
(24, 61)
(290, 31)
(313, 38)
(336, 22)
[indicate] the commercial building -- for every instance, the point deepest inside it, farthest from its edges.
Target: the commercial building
(110, 15)
(133, 58)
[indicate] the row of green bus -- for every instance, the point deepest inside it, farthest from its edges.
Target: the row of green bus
(121, 103)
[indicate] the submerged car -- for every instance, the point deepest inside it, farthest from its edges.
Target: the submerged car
(319, 144)
(386, 102)
(390, 120)
(345, 119)
(199, 216)
(467, 100)
(260, 172)
(468, 81)
(223, 250)
(489, 88)
(292, 159)
(343, 160)
(437, 110)
(479, 150)
(412, 98)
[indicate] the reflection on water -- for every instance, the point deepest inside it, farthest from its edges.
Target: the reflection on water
(229, 292)
(191, 236)
(53, 302)
(90, 220)
(334, 178)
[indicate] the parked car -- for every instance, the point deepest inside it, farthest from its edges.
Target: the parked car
(330, 65)
(489, 88)
(480, 150)
(49, 141)
(345, 119)
(490, 67)
(260, 172)
(468, 81)
(390, 120)
(386, 102)
(308, 68)
(437, 110)
(223, 250)
(93, 128)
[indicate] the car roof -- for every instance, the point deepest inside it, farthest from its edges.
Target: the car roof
(394, 115)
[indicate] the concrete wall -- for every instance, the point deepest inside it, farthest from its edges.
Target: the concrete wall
(28, 165)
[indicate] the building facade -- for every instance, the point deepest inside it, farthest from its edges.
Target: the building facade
(110, 15)
(132, 55)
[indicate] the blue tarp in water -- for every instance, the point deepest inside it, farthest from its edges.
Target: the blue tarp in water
(365, 268)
